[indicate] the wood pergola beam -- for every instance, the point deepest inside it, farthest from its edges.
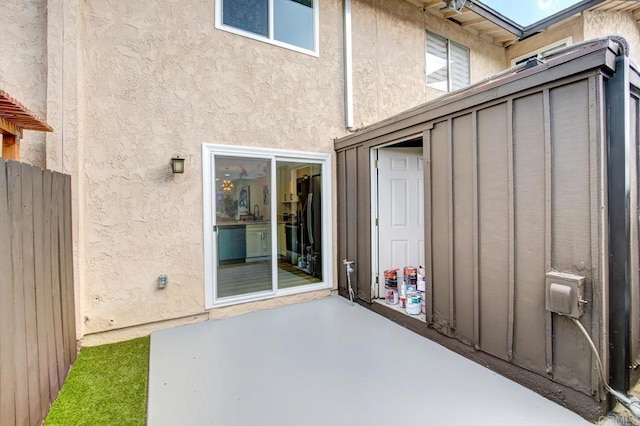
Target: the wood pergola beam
(7, 127)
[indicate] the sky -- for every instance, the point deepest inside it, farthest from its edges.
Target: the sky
(527, 12)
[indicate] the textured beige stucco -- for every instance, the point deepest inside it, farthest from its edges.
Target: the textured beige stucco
(389, 57)
(600, 24)
(23, 73)
(128, 333)
(571, 28)
(163, 81)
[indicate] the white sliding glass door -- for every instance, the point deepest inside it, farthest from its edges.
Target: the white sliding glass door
(267, 225)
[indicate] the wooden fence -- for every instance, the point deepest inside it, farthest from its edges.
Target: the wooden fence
(37, 313)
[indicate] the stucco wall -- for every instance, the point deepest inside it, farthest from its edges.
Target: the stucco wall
(572, 28)
(23, 73)
(162, 81)
(390, 61)
(600, 24)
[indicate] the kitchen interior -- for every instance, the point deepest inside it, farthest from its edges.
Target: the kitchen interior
(245, 207)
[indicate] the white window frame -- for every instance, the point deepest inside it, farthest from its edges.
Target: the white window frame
(270, 39)
(567, 41)
(209, 150)
(449, 79)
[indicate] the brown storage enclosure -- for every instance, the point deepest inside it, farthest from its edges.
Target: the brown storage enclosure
(526, 175)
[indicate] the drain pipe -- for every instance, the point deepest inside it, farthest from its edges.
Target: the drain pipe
(347, 264)
(348, 68)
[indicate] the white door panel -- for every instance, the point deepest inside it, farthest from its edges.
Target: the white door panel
(400, 210)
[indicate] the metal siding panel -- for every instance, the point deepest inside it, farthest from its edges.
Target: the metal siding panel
(341, 172)
(529, 191)
(428, 225)
(351, 214)
(440, 171)
(463, 226)
(494, 229)
(363, 261)
(571, 223)
(599, 249)
(635, 243)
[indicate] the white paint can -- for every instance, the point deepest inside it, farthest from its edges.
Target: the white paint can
(413, 303)
(422, 281)
(423, 304)
(391, 295)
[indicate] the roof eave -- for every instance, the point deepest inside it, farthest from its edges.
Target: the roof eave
(536, 27)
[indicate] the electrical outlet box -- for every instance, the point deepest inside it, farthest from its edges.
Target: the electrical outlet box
(564, 294)
(162, 281)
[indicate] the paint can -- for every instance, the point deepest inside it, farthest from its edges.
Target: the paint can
(422, 281)
(423, 303)
(391, 278)
(410, 276)
(391, 295)
(403, 301)
(413, 303)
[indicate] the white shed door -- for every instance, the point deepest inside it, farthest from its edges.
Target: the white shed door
(400, 210)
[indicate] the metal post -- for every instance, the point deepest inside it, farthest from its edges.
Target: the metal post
(618, 186)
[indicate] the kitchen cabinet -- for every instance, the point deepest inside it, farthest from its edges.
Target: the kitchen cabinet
(231, 244)
(258, 241)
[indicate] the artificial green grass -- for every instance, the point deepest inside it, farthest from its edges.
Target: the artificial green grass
(107, 385)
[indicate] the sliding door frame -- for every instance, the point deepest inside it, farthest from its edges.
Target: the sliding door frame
(209, 151)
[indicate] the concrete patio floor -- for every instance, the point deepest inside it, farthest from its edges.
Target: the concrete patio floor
(327, 363)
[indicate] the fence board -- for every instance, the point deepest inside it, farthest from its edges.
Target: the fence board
(41, 301)
(7, 318)
(64, 299)
(68, 262)
(14, 179)
(56, 185)
(54, 383)
(29, 289)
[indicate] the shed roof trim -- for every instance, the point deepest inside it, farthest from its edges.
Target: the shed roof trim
(17, 114)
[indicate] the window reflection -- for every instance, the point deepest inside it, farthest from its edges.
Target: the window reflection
(299, 224)
(293, 22)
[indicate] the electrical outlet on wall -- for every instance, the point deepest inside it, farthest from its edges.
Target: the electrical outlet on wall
(162, 281)
(564, 294)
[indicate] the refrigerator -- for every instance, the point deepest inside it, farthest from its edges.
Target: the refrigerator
(309, 190)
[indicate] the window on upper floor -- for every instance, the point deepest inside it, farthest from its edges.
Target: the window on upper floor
(287, 23)
(541, 51)
(448, 64)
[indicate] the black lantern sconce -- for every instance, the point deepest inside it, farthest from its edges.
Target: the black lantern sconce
(177, 165)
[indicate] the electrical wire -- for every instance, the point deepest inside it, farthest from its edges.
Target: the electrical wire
(595, 352)
(630, 402)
